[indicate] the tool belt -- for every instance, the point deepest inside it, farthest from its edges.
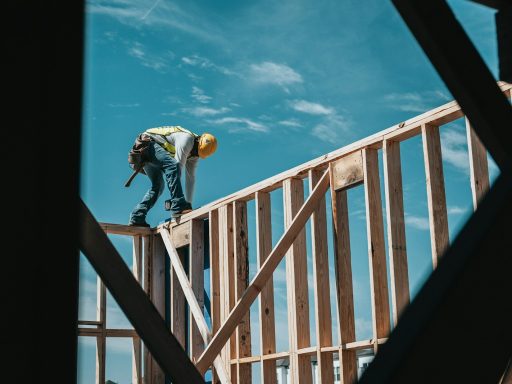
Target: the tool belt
(138, 156)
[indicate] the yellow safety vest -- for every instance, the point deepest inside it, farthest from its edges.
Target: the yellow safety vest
(165, 131)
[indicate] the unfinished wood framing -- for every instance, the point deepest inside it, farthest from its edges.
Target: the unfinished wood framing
(344, 286)
(297, 285)
(226, 348)
(397, 249)
(437, 213)
(376, 250)
(478, 166)
(267, 315)
(322, 289)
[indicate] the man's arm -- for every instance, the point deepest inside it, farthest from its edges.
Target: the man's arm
(190, 178)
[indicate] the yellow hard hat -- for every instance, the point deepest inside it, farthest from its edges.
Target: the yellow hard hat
(207, 145)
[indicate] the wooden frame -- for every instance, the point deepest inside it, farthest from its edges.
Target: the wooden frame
(228, 344)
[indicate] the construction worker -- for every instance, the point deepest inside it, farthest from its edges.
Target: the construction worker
(171, 150)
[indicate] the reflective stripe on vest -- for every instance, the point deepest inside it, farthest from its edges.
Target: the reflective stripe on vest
(166, 131)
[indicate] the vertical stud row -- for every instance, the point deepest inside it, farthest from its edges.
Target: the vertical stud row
(137, 344)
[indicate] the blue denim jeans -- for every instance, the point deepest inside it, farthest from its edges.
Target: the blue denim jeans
(161, 164)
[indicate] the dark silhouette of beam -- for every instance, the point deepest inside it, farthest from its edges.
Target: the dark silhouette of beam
(457, 328)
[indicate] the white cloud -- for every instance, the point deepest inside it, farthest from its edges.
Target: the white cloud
(325, 133)
(240, 124)
(417, 222)
(205, 111)
(204, 63)
(415, 101)
(138, 51)
(311, 108)
(364, 328)
(290, 123)
(273, 73)
(454, 149)
(456, 210)
(198, 94)
(121, 105)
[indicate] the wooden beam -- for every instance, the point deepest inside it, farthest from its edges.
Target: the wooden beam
(398, 132)
(376, 250)
(196, 273)
(101, 317)
(344, 286)
(148, 360)
(267, 315)
(323, 323)
(265, 272)
(178, 304)
(133, 301)
(215, 272)
(180, 234)
(297, 285)
(227, 288)
(438, 216)
(158, 295)
(119, 229)
(194, 306)
(347, 171)
(396, 228)
(478, 167)
(136, 343)
(241, 267)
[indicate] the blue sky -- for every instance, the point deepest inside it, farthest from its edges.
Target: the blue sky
(279, 83)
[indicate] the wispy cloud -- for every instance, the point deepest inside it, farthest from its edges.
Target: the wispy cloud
(202, 62)
(240, 124)
(155, 62)
(198, 95)
(121, 105)
(274, 73)
(415, 101)
(454, 149)
(456, 210)
(205, 111)
(417, 222)
(149, 13)
(291, 123)
(311, 108)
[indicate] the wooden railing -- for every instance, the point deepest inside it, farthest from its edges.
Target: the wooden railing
(222, 226)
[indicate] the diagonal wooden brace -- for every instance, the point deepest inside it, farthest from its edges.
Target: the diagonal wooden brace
(265, 272)
(195, 309)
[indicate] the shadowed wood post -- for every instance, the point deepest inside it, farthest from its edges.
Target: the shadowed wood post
(148, 360)
(196, 273)
(158, 295)
(437, 213)
(241, 259)
(178, 306)
(267, 314)
(321, 285)
(215, 271)
(396, 228)
(227, 276)
(101, 316)
(136, 343)
(344, 287)
(376, 250)
(478, 167)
